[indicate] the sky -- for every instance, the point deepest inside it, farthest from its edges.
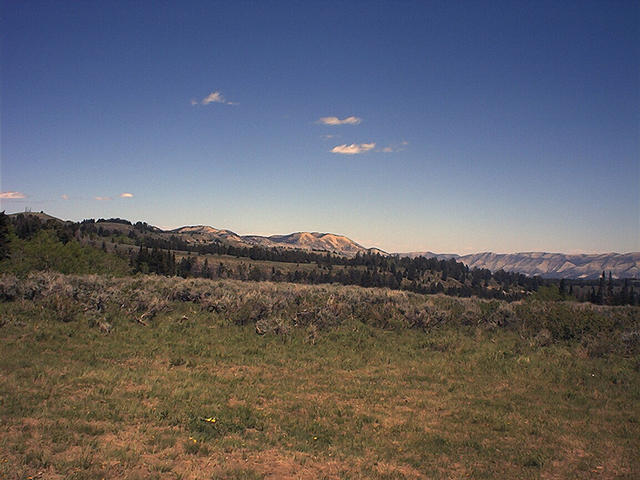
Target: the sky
(451, 127)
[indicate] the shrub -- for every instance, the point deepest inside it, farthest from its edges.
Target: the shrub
(279, 307)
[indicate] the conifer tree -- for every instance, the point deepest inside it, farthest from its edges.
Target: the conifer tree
(624, 294)
(601, 287)
(610, 289)
(4, 235)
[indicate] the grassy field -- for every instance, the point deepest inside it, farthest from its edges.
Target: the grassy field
(149, 377)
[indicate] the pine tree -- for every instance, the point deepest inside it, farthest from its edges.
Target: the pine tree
(206, 272)
(563, 288)
(624, 294)
(601, 287)
(610, 289)
(4, 235)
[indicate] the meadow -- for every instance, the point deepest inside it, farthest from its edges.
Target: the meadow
(155, 377)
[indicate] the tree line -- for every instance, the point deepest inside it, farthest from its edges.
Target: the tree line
(157, 254)
(604, 291)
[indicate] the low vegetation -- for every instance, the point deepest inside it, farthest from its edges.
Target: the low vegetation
(156, 377)
(45, 252)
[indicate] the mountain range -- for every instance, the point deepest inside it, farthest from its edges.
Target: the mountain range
(549, 265)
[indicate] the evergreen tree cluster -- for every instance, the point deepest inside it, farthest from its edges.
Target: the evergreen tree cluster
(385, 271)
(4, 236)
(608, 294)
(26, 226)
(162, 262)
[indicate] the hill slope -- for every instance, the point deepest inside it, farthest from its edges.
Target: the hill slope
(328, 242)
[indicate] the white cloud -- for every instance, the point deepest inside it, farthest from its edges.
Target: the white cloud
(64, 196)
(213, 97)
(102, 199)
(353, 149)
(12, 195)
(336, 121)
(330, 136)
(126, 195)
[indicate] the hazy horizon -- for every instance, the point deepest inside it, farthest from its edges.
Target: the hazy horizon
(504, 126)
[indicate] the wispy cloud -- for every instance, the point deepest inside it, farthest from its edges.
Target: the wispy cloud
(353, 149)
(330, 136)
(395, 148)
(126, 195)
(213, 97)
(336, 121)
(103, 199)
(12, 195)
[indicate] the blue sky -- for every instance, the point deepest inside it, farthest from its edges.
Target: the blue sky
(470, 126)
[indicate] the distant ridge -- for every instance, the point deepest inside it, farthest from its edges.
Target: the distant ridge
(328, 242)
(206, 234)
(549, 265)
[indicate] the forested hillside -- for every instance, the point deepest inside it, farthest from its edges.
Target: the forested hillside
(120, 247)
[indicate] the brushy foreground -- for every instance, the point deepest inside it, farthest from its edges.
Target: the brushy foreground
(153, 377)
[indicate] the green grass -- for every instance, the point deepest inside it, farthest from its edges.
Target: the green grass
(332, 397)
